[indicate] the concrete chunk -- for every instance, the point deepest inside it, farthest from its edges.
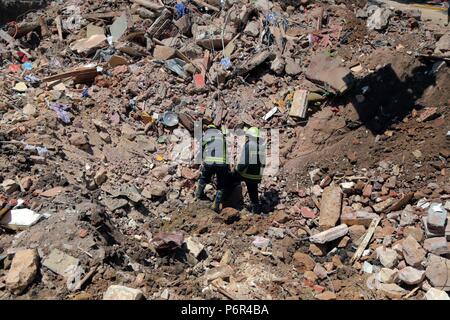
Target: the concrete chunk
(60, 262)
(23, 270)
(194, 246)
(392, 290)
(163, 52)
(435, 244)
(436, 294)
(410, 275)
(379, 20)
(431, 234)
(388, 257)
(386, 275)
(117, 292)
(438, 271)
(363, 218)
(437, 218)
(327, 71)
(330, 234)
(413, 252)
(330, 207)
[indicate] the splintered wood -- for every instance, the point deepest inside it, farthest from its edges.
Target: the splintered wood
(366, 240)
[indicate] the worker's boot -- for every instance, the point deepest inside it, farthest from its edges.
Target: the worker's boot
(217, 201)
(200, 192)
(256, 208)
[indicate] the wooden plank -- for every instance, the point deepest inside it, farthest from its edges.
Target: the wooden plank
(44, 29)
(85, 278)
(102, 15)
(362, 246)
(409, 295)
(23, 28)
(223, 291)
(59, 27)
(73, 73)
(299, 104)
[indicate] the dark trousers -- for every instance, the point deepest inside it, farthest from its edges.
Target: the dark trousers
(220, 170)
(252, 187)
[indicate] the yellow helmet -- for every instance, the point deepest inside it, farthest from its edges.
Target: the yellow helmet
(253, 131)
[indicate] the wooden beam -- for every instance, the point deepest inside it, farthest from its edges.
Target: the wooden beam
(362, 246)
(59, 27)
(73, 73)
(44, 29)
(101, 15)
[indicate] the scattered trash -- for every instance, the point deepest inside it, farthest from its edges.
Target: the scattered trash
(20, 219)
(61, 112)
(169, 119)
(176, 65)
(226, 63)
(20, 87)
(270, 113)
(181, 10)
(27, 66)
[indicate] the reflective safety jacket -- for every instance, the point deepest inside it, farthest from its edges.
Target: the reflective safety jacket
(253, 160)
(214, 147)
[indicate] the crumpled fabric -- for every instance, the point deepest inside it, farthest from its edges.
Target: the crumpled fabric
(226, 63)
(85, 93)
(42, 151)
(32, 79)
(181, 10)
(61, 112)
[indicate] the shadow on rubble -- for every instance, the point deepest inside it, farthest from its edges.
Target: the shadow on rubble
(13, 10)
(382, 99)
(270, 199)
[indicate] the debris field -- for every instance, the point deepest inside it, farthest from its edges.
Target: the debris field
(97, 190)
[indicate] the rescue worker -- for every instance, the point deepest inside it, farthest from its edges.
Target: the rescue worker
(214, 163)
(448, 12)
(251, 165)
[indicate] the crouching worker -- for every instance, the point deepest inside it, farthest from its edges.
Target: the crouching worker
(214, 163)
(251, 165)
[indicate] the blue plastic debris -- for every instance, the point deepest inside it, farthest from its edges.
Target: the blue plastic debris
(176, 65)
(271, 18)
(226, 63)
(181, 10)
(27, 66)
(85, 93)
(133, 103)
(61, 112)
(32, 79)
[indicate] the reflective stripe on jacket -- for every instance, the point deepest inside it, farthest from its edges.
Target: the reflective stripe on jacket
(252, 161)
(214, 147)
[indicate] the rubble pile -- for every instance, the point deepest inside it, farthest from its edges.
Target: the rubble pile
(98, 102)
